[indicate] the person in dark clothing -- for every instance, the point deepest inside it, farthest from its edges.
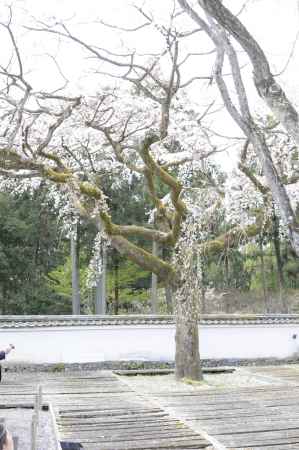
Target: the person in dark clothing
(3, 354)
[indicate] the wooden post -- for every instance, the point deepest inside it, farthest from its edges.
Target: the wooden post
(36, 408)
(34, 432)
(40, 396)
(38, 401)
(35, 418)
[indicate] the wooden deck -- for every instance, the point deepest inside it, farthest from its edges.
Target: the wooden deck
(265, 417)
(102, 413)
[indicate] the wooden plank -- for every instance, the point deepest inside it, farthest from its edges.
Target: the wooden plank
(166, 443)
(247, 418)
(112, 415)
(271, 447)
(153, 372)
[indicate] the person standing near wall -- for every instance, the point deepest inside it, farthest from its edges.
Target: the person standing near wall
(3, 354)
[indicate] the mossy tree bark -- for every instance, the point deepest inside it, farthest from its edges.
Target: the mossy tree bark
(187, 356)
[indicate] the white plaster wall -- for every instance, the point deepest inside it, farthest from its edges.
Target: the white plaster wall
(90, 344)
(155, 343)
(249, 341)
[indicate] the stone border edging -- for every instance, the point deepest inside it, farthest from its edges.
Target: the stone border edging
(139, 365)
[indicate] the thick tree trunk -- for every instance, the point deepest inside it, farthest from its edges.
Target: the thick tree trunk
(187, 358)
(75, 271)
(277, 188)
(279, 263)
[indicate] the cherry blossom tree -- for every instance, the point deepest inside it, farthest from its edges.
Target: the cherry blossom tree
(144, 124)
(150, 131)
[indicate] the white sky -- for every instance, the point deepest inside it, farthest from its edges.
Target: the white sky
(274, 23)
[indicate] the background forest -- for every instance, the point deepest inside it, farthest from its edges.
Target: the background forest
(36, 266)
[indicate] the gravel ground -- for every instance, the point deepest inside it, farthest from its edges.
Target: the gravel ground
(167, 383)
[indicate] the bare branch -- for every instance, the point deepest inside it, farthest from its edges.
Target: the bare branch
(117, 27)
(225, 94)
(267, 87)
(14, 43)
(191, 80)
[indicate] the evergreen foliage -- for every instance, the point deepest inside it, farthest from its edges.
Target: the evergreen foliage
(29, 249)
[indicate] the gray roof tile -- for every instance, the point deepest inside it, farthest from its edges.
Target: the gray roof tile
(68, 321)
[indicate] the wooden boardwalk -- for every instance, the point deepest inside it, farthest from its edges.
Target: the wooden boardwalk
(264, 417)
(103, 413)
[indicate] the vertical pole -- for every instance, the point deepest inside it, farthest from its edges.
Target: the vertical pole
(154, 288)
(100, 292)
(33, 432)
(116, 285)
(36, 408)
(263, 273)
(75, 271)
(40, 397)
(35, 417)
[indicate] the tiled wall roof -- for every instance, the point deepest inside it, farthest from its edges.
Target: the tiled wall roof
(93, 320)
